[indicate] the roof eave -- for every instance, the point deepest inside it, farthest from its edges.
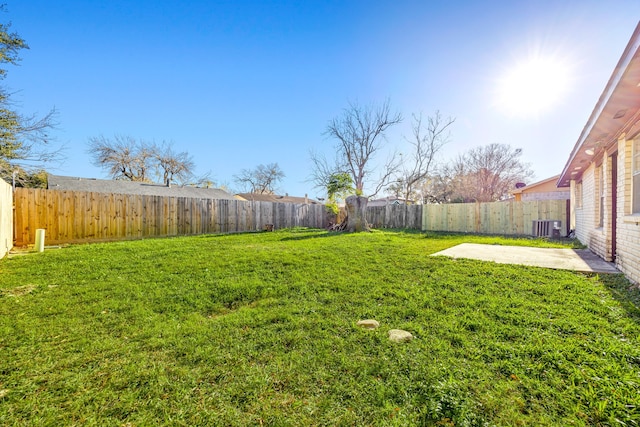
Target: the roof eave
(587, 140)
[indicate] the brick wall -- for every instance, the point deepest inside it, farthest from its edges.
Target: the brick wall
(587, 217)
(587, 230)
(628, 226)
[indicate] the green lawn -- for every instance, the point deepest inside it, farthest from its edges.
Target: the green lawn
(260, 329)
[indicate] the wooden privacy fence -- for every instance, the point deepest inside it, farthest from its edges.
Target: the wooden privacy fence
(507, 218)
(71, 216)
(6, 218)
(395, 216)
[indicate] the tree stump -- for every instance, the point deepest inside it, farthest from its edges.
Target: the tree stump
(356, 219)
(356, 216)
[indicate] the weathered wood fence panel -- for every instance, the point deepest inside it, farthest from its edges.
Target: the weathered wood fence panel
(508, 218)
(6, 218)
(395, 216)
(69, 216)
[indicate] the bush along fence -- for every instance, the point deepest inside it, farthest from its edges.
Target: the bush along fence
(505, 218)
(72, 217)
(6, 218)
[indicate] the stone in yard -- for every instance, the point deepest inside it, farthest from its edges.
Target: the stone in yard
(368, 323)
(398, 335)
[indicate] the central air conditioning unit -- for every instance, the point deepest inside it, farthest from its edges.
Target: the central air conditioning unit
(546, 228)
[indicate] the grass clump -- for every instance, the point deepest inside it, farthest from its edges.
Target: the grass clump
(260, 329)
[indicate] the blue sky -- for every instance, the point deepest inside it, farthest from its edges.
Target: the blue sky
(243, 83)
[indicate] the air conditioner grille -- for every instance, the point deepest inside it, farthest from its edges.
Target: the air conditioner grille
(546, 228)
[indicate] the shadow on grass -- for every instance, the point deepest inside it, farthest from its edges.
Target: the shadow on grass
(399, 230)
(265, 232)
(319, 233)
(627, 295)
(299, 234)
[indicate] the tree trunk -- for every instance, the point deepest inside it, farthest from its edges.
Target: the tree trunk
(356, 214)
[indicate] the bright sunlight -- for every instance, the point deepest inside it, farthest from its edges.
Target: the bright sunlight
(533, 86)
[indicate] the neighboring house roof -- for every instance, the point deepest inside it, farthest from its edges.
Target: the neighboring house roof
(544, 185)
(70, 183)
(541, 190)
(612, 115)
(274, 198)
(388, 201)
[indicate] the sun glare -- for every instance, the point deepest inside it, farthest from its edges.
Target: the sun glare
(532, 87)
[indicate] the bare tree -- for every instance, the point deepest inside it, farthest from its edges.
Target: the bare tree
(204, 181)
(261, 180)
(487, 173)
(427, 141)
(123, 157)
(126, 158)
(25, 147)
(31, 138)
(437, 187)
(172, 165)
(360, 135)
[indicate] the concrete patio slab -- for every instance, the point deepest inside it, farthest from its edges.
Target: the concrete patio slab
(562, 259)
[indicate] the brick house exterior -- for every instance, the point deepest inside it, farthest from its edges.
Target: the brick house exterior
(603, 170)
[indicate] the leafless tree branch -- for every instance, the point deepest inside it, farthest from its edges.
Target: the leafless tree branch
(360, 134)
(427, 141)
(261, 180)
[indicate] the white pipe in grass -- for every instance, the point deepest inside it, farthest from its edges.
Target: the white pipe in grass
(39, 246)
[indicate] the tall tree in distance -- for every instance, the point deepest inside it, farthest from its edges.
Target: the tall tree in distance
(24, 139)
(436, 189)
(126, 158)
(487, 173)
(261, 180)
(428, 139)
(123, 157)
(172, 165)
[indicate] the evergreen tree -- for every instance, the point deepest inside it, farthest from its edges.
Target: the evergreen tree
(24, 140)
